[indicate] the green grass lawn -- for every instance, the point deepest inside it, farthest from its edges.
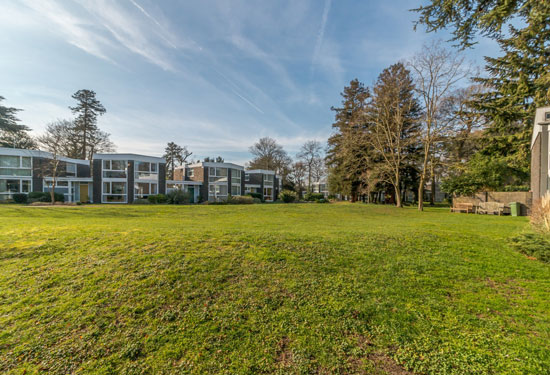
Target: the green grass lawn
(302, 288)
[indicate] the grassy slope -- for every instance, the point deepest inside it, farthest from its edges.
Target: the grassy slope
(267, 288)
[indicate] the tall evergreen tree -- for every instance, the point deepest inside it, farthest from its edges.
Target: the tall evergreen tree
(13, 134)
(175, 155)
(518, 83)
(88, 108)
(347, 157)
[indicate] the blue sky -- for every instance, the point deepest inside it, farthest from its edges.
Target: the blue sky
(214, 75)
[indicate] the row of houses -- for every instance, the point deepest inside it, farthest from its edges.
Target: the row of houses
(123, 178)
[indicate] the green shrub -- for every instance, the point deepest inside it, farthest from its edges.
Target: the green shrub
(313, 197)
(178, 196)
(534, 245)
(38, 196)
(287, 196)
(257, 200)
(322, 200)
(256, 195)
(240, 199)
(35, 195)
(20, 198)
(159, 198)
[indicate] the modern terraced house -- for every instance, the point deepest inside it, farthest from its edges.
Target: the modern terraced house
(540, 154)
(123, 178)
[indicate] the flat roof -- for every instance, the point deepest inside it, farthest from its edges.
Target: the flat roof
(39, 154)
(263, 171)
(135, 157)
(217, 165)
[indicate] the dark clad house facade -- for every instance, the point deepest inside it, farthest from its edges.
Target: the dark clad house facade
(25, 171)
(124, 178)
(540, 158)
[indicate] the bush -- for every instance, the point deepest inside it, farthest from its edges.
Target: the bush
(322, 200)
(37, 196)
(287, 196)
(159, 198)
(535, 245)
(313, 197)
(257, 200)
(256, 195)
(178, 196)
(20, 198)
(540, 214)
(242, 199)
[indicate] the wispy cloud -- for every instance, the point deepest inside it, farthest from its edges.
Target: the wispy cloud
(100, 27)
(75, 29)
(320, 35)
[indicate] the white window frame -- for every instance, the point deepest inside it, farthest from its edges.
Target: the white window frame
(153, 172)
(9, 194)
(151, 184)
(110, 162)
(218, 178)
(110, 182)
(20, 167)
(235, 186)
(266, 179)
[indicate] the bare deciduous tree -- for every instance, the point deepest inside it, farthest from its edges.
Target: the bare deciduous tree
(299, 171)
(393, 124)
(310, 154)
(436, 73)
(53, 141)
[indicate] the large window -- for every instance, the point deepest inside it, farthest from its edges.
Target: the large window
(217, 174)
(8, 187)
(268, 194)
(246, 177)
(146, 171)
(217, 190)
(71, 170)
(114, 168)
(235, 176)
(268, 179)
(235, 190)
(114, 191)
(144, 189)
(61, 187)
(15, 166)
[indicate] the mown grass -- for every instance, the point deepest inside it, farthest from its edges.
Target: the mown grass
(304, 288)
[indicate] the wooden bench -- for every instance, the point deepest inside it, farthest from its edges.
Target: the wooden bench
(463, 207)
(493, 208)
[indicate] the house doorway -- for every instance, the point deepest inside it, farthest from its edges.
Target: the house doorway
(84, 193)
(191, 191)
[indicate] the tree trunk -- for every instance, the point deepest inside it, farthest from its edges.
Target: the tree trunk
(432, 198)
(52, 192)
(397, 191)
(421, 195)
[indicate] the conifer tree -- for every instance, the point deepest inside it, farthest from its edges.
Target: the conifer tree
(13, 134)
(347, 157)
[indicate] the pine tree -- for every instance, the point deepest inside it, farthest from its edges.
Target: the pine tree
(347, 157)
(175, 155)
(518, 83)
(13, 134)
(87, 111)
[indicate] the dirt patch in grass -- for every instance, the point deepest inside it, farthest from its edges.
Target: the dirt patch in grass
(387, 365)
(284, 354)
